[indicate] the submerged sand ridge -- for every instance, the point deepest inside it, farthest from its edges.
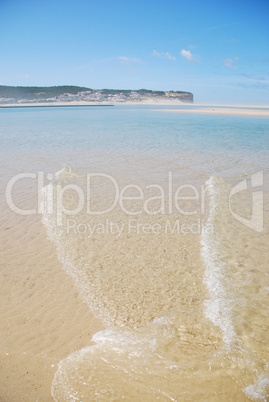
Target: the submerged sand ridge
(148, 289)
(162, 304)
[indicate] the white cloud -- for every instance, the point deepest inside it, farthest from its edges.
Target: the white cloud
(165, 55)
(187, 54)
(229, 63)
(126, 59)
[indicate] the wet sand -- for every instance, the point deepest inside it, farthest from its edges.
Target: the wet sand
(42, 318)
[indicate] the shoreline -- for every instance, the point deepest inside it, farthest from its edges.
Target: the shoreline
(48, 105)
(66, 104)
(188, 108)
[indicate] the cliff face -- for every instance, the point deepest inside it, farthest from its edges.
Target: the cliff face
(9, 95)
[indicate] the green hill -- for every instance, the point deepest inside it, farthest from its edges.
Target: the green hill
(39, 92)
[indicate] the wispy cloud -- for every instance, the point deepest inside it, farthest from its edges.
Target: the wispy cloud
(257, 81)
(165, 55)
(230, 63)
(256, 77)
(215, 27)
(126, 59)
(255, 85)
(187, 55)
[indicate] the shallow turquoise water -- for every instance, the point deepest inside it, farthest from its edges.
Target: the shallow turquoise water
(130, 127)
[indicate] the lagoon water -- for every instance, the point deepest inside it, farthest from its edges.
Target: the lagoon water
(178, 272)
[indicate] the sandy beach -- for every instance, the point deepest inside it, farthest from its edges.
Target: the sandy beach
(150, 102)
(42, 318)
(224, 111)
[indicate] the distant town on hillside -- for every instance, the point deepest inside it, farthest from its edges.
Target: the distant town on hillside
(67, 93)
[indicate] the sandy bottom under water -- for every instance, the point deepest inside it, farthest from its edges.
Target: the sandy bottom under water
(179, 316)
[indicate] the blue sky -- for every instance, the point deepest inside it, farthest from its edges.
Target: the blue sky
(219, 50)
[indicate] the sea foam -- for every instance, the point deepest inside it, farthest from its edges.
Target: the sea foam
(218, 306)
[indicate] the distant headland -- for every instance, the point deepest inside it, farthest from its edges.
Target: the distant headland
(11, 95)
